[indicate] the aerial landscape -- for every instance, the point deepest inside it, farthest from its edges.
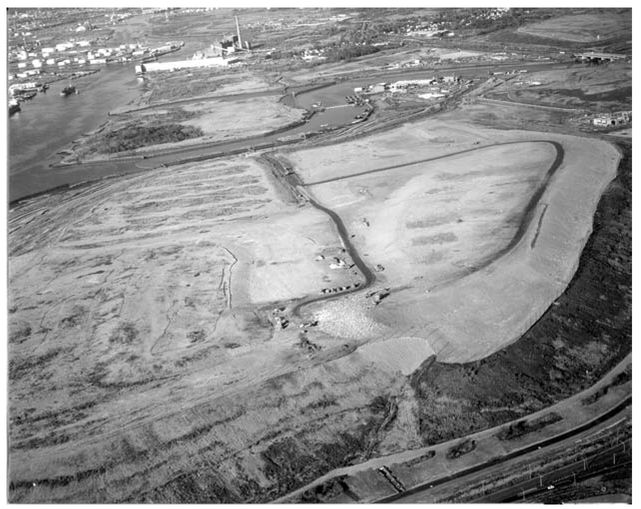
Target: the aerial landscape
(319, 255)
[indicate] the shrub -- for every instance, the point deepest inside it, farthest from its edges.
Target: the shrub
(134, 136)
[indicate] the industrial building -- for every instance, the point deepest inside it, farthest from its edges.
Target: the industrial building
(597, 57)
(184, 64)
(217, 55)
(612, 119)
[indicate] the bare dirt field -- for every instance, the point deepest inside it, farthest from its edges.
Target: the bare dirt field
(137, 305)
(583, 27)
(205, 334)
(436, 267)
(148, 358)
(222, 120)
(432, 220)
(180, 84)
(213, 121)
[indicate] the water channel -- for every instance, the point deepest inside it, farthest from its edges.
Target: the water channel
(49, 122)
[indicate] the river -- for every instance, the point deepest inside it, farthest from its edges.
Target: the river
(49, 122)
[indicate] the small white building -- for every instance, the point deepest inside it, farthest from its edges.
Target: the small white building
(431, 95)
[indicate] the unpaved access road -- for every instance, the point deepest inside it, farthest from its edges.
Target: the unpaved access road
(367, 273)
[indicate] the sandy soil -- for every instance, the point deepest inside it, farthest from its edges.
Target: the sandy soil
(432, 221)
(145, 362)
(454, 55)
(464, 316)
(221, 120)
(156, 278)
(167, 86)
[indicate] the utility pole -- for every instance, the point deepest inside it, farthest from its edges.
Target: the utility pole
(240, 42)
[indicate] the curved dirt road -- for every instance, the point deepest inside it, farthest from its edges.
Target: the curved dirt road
(370, 278)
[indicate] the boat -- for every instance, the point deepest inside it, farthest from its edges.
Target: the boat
(25, 95)
(14, 106)
(68, 90)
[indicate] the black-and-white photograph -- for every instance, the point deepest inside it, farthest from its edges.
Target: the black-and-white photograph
(336, 254)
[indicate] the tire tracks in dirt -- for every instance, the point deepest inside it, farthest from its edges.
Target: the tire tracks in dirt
(370, 278)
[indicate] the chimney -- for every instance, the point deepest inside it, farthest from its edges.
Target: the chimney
(240, 42)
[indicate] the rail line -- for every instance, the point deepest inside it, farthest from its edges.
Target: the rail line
(515, 454)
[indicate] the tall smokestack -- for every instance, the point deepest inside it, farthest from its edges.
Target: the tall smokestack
(240, 42)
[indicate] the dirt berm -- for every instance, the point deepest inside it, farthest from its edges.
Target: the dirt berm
(479, 314)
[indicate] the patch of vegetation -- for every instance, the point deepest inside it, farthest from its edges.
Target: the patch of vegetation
(134, 136)
(124, 334)
(582, 336)
(74, 318)
(521, 428)
(196, 336)
(293, 461)
(458, 450)
(336, 54)
(20, 334)
(326, 491)
(324, 402)
(620, 379)
(21, 367)
(54, 418)
(52, 438)
(420, 459)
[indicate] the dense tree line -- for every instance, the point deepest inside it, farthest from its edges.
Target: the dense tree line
(135, 136)
(334, 54)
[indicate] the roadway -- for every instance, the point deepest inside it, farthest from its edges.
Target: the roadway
(292, 180)
(421, 493)
(82, 173)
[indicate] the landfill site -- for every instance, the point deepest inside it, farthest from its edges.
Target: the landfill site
(402, 275)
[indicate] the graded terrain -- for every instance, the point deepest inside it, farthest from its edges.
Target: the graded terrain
(373, 249)
(165, 298)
